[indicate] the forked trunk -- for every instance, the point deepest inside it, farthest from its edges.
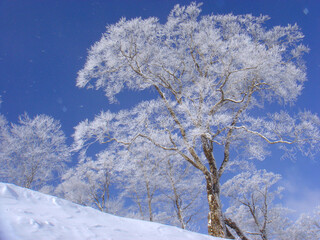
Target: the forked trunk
(216, 224)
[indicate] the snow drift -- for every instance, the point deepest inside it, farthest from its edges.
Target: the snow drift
(29, 215)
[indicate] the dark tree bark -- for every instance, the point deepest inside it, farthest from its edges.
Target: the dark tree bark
(235, 227)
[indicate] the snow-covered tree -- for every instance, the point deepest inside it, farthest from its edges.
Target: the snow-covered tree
(163, 187)
(4, 143)
(208, 76)
(89, 183)
(307, 227)
(155, 186)
(254, 215)
(35, 151)
(140, 167)
(252, 206)
(183, 192)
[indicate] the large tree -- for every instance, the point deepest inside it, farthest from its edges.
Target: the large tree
(210, 77)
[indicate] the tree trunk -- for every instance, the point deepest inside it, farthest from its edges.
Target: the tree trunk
(216, 224)
(149, 202)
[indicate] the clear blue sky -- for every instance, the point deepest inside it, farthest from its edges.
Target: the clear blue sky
(44, 43)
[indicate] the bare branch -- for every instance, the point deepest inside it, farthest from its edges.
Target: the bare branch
(235, 227)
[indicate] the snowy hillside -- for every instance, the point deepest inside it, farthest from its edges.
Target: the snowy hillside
(29, 215)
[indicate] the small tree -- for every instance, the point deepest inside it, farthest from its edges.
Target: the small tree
(35, 152)
(4, 143)
(154, 185)
(89, 183)
(252, 196)
(142, 180)
(208, 76)
(307, 227)
(163, 186)
(182, 190)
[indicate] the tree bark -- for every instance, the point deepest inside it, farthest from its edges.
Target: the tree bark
(216, 224)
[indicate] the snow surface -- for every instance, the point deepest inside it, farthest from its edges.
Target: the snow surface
(27, 214)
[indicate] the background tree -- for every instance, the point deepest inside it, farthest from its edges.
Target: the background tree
(183, 192)
(35, 152)
(307, 227)
(90, 182)
(140, 169)
(252, 208)
(153, 186)
(163, 187)
(209, 75)
(4, 143)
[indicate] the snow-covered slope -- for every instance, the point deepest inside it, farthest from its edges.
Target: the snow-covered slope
(29, 215)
